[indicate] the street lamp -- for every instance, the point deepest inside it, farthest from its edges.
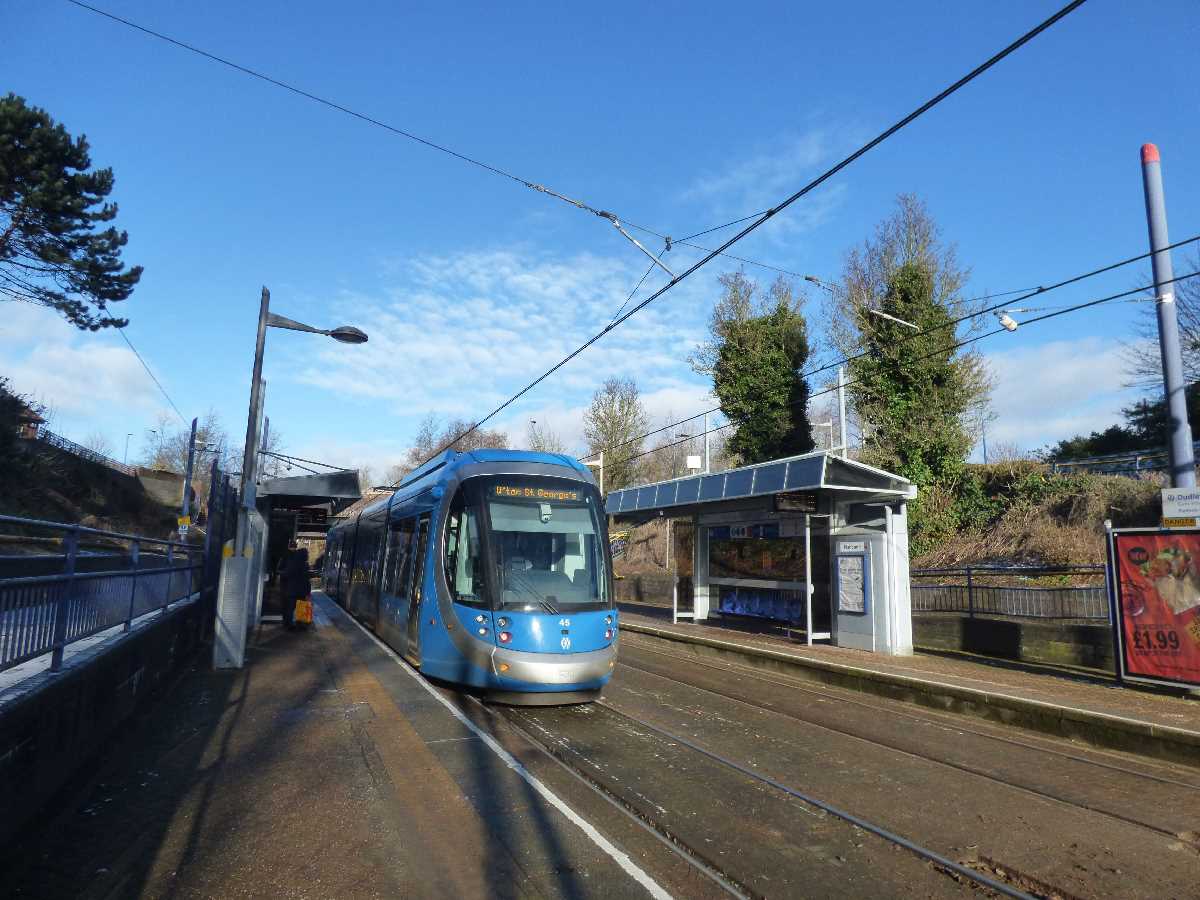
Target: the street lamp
(346, 334)
(125, 458)
(898, 321)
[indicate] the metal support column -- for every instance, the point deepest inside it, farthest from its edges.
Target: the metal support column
(1179, 445)
(63, 607)
(808, 585)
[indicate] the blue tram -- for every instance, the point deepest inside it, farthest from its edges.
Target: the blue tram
(490, 569)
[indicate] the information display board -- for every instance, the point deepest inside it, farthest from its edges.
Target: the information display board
(1155, 576)
(852, 581)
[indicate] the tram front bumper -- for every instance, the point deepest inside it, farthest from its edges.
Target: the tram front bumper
(554, 668)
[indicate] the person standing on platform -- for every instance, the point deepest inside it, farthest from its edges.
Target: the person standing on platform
(293, 582)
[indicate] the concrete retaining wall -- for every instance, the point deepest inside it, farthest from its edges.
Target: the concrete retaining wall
(1056, 643)
(48, 733)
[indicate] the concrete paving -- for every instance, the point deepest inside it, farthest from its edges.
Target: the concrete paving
(324, 769)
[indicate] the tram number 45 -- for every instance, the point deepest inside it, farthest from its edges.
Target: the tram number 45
(1159, 640)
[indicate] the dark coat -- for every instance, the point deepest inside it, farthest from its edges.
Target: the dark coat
(293, 580)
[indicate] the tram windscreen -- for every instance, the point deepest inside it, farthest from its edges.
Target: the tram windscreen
(545, 543)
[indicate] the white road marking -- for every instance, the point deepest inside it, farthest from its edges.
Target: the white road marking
(619, 856)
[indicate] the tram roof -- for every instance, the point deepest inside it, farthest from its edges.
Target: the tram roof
(821, 471)
(439, 467)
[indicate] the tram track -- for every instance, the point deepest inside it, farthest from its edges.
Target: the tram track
(568, 760)
(1188, 840)
(947, 721)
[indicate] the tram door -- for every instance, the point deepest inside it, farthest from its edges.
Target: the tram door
(413, 642)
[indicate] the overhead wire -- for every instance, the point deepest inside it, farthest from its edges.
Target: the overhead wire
(1030, 292)
(334, 105)
(162, 390)
(949, 348)
(775, 210)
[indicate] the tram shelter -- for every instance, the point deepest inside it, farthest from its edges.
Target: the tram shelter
(817, 540)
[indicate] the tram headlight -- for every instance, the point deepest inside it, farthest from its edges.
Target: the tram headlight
(502, 622)
(608, 620)
(482, 632)
(505, 637)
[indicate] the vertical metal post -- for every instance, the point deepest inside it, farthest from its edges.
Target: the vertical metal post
(808, 585)
(64, 600)
(185, 505)
(707, 470)
(250, 452)
(841, 392)
(1182, 459)
(134, 552)
(170, 576)
(970, 595)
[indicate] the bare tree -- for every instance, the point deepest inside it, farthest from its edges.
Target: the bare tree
(1142, 358)
(433, 436)
(543, 438)
(614, 423)
(98, 442)
(672, 446)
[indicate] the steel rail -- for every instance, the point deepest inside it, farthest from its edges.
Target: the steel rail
(958, 767)
(928, 716)
(688, 854)
(859, 822)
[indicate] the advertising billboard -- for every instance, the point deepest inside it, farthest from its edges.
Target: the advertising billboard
(1156, 586)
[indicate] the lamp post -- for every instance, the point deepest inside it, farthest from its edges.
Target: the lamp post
(125, 458)
(347, 334)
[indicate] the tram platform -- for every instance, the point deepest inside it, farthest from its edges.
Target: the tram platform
(325, 768)
(1086, 706)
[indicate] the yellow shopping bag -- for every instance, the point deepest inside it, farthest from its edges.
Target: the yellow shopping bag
(303, 611)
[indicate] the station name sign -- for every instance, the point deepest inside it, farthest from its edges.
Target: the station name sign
(520, 492)
(796, 501)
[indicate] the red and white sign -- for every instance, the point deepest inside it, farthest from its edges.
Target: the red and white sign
(1157, 580)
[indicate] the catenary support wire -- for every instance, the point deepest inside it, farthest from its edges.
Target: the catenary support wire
(775, 210)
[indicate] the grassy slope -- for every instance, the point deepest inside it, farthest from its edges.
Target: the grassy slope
(57, 486)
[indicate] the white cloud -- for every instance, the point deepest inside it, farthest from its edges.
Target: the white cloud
(762, 179)
(456, 335)
(1057, 390)
(90, 380)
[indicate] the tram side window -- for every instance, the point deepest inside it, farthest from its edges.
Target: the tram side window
(464, 572)
(399, 550)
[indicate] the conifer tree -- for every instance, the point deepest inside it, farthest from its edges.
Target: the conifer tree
(52, 252)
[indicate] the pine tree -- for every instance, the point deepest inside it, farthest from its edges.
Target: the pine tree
(51, 252)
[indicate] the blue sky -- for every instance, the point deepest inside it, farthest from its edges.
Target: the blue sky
(677, 116)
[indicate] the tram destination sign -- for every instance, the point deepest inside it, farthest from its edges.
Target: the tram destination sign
(796, 501)
(542, 494)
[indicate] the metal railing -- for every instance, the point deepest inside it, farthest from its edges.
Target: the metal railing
(1129, 462)
(47, 436)
(44, 613)
(1018, 591)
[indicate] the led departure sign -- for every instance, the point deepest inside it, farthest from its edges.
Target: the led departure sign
(519, 492)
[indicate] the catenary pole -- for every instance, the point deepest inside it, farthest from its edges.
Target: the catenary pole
(1179, 444)
(185, 506)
